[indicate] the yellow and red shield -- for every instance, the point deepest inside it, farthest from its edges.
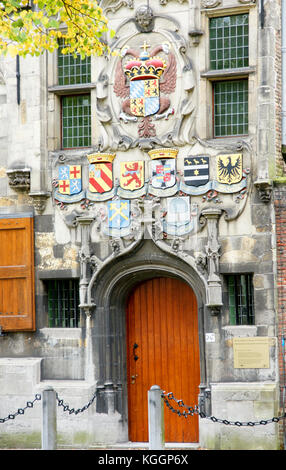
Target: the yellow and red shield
(132, 175)
(100, 172)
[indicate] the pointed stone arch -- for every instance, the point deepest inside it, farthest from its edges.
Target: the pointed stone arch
(110, 293)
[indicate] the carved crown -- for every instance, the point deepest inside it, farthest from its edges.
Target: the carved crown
(101, 157)
(163, 153)
(144, 66)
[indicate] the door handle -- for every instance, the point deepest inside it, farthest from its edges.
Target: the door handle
(133, 377)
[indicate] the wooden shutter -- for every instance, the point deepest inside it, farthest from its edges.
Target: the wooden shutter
(17, 304)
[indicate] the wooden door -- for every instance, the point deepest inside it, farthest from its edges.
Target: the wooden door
(17, 311)
(162, 349)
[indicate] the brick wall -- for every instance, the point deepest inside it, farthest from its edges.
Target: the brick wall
(280, 212)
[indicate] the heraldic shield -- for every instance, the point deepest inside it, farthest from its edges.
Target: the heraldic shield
(163, 173)
(100, 177)
(132, 175)
(178, 220)
(118, 214)
(196, 171)
(144, 97)
(100, 172)
(229, 168)
(70, 179)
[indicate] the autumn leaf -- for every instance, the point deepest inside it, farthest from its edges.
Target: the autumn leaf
(80, 24)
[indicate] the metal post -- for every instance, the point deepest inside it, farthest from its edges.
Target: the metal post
(49, 419)
(156, 419)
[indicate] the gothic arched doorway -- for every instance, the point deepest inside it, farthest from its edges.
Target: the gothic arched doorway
(162, 349)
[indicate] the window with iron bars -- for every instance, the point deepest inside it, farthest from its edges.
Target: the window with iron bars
(63, 303)
(229, 50)
(229, 42)
(240, 295)
(76, 105)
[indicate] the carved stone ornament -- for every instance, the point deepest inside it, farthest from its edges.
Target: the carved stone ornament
(139, 112)
(19, 178)
(210, 3)
(165, 2)
(264, 188)
(214, 302)
(195, 35)
(144, 19)
(40, 200)
(148, 221)
(115, 5)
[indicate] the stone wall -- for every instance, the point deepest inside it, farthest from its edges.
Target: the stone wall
(238, 228)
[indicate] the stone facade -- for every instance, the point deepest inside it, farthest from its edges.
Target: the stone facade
(229, 229)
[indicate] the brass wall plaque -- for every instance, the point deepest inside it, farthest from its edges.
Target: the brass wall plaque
(251, 353)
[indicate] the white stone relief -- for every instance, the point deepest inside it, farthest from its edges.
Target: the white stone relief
(210, 3)
(115, 5)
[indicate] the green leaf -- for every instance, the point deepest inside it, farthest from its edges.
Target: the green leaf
(41, 4)
(54, 24)
(18, 24)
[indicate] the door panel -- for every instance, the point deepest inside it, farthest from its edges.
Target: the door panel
(17, 307)
(162, 349)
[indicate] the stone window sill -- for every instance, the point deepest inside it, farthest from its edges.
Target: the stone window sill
(228, 73)
(71, 89)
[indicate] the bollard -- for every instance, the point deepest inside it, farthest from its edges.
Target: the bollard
(49, 419)
(156, 424)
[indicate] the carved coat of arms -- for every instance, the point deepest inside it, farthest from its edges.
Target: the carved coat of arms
(100, 176)
(70, 179)
(196, 170)
(118, 218)
(229, 168)
(132, 175)
(163, 171)
(143, 82)
(178, 219)
(100, 173)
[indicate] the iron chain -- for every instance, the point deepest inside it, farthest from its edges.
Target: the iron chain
(184, 410)
(61, 403)
(72, 410)
(21, 411)
(191, 410)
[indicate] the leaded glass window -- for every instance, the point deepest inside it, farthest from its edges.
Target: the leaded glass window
(63, 303)
(230, 108)
(229, 42)
(75, 101)
(72, 70)
(76, 121)
(240, 295)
